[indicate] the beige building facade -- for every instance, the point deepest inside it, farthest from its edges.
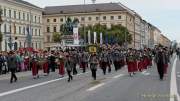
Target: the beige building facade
(106, 14)
(164, 41)
(19, 16)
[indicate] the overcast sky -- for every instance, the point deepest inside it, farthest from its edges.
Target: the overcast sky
(165, 14)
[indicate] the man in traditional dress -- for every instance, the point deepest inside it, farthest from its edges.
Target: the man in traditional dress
(116, 59)
(12, 60)
(68, 66)
(160, 61)
(93, 64)
(104, 61)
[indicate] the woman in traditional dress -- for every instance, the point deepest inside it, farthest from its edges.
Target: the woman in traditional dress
(130, 63)
(46, 66)
(34, 67)
(61, 65)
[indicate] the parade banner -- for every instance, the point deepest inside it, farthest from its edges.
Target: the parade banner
(76, 36)
(92, 49)
(95, 37)
(101, 39)
(89, 37)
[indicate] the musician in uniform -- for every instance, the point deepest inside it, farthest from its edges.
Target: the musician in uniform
(93, 64)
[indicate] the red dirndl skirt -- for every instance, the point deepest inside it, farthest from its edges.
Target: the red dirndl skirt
(34, 69)
(61, 68)
(135, 67)
(130, 66)
(145, 63)
(45, 67)
(140, 66)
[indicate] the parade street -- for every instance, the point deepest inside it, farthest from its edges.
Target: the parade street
(115, 86)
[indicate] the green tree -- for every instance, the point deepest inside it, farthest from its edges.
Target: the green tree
(121, 34)
(57, 37)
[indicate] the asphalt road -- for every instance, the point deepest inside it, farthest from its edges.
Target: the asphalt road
(115, 86)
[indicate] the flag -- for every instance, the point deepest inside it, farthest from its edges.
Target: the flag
(101, 38)
(95, 37)
(89, 37)
(29, 36)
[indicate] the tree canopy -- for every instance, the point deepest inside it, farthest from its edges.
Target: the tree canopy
(115, 34)
(57, 37)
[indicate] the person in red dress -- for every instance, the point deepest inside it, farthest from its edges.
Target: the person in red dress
(130, 63)
(135, 62)
(61, 65)
(140, 62)
(46, 67)
(34, 67)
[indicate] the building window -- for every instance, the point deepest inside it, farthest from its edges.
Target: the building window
(48, 20)
(48, 38)
(23, 16)
(27, 17)
(89, 18)
(4, 12)
(112, 17)
(10, 29)
(54, 29)
(19, 29)
(5, 28)
(35, 32)
(48, 29)
(82, 18)
(61, 19)
(54, 20)
(14, 14)
(104, 17)
(32, 45)
(39, 19)
(40, 45)
(35, 18)
(24, 30)
(9, 13)
(20, 44)
(19, 15)
(119, 17)
(24, 44)
(36, 45)
(39, 32)
(97, 18)
(82, 25)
